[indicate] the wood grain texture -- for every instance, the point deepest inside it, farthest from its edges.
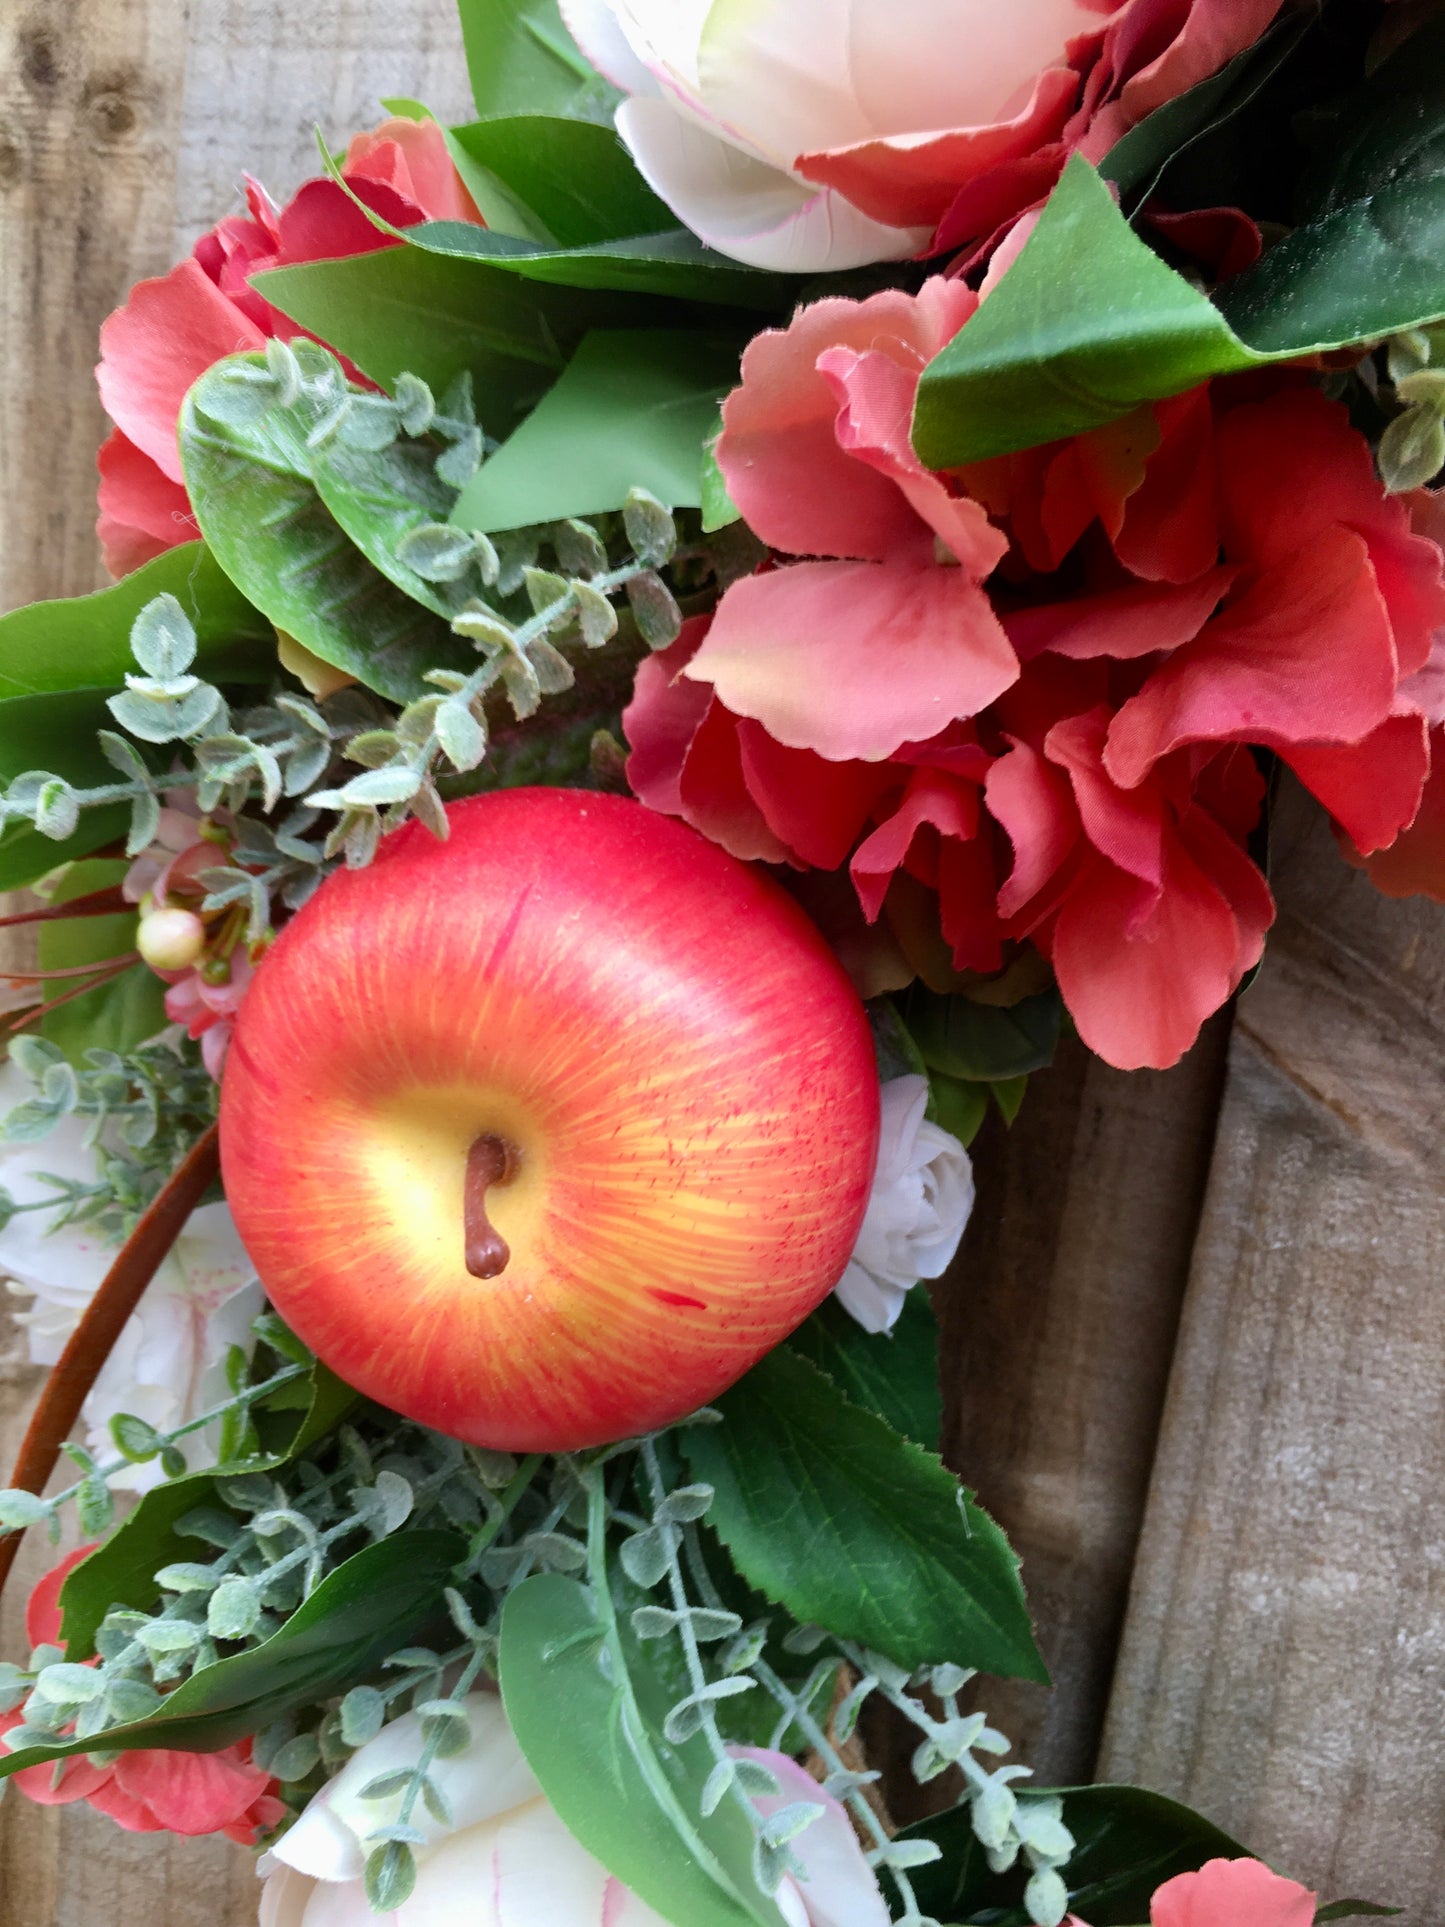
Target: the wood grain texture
(125, 127)
(1059, 1329)
(1284, 1656)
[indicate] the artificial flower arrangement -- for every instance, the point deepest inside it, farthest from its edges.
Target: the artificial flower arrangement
(666, 640)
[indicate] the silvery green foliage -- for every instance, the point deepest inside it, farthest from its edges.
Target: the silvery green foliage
(1412, 448)
(144, 1111)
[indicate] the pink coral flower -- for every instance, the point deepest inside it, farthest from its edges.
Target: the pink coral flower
(1232, 1893)
(171, 329)
(893, 637)
(148, 1790)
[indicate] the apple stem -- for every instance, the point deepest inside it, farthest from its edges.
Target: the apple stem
(491, 1160)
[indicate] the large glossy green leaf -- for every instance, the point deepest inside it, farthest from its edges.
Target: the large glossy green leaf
(83, 642)
(1129, 1842)
(829, 1512)
(595, 1742)
(114, 1016)
(632, 411)
(254, 496)
(1368, 258)
(439, 314)
(378, 499)
(369, 1606)
(671, 262)
(574, 176)
(520, 57)
(892, 1374)
(121, 1571)
(1030, 367)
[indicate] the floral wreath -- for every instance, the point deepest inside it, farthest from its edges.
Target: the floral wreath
(667, 641)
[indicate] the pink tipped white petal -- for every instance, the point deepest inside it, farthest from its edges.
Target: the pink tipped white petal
(593, 24)
(754, 213)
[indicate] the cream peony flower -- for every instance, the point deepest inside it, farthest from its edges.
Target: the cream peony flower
(508, 1861)
(922, 1198)
(168, 1365)
(737, 106)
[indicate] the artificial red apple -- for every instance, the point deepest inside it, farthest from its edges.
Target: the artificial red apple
(545, 1134)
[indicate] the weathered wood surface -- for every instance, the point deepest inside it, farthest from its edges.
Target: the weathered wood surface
(1284, 1657)
(125, 126)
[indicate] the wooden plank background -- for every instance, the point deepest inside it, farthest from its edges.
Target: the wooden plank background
(1195, 1352)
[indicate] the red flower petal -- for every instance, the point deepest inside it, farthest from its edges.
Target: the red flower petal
(662, 719)
(1140, 620)
(191, 1792)
(142, 511)
(1371, 788)
(1232, 1893)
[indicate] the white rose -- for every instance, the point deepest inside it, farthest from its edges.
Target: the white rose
(169, 1363)
(735, 103)
(921, 1200)
(508, 1861)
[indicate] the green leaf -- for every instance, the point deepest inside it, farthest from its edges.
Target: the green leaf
(122, 1571)
(1356, 1910)
(1030, 368)
(958, 1105)
(117, 1015)
(893, 1375)
(1369, 257)
(56, 732)
(438, 315)
(719, 510)
(1129, 1842)
(575, 176)
(253, 493)
(83, 643)
(368, 1607)
(830, 1513)
(671, 262)
(381, 497)
(595, 1743)
(632, 411)
(521, 57)
(982, 1043)
(1146, 150)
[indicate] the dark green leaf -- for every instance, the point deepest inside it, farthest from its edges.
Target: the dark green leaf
(117, 1015)
(892, 1374)
(982, 1043)
(830, 1513)
(520, 57)
(56, 732)
(632, 411)
(719, 510)
(595, 1743)
(1145, 151)
(254, 496)
(1369, 257)
(370, 1605)
(1356, 1910)
(122, 1571)
(1128, 1843)
(574, 175)
(379, 499)
(958, 1105)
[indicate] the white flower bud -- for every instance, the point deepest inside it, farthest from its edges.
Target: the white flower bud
(171, 939)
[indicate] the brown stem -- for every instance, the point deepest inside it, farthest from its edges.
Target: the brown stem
(491, 1160)
(103, 1320)
(32, 1015)
(97, 903)
(126, 958)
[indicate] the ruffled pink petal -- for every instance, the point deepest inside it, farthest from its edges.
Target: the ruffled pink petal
(1141, 620)
(411, 157)
(852, 659)
(1304, 656)
(142, 511)
(191, 1792)
(662, 719)
(779, 452)
(42, 1611)
(1211, 33)
(1170, 526)
(1126, 826)
(911, 180)
(932, 798)
(1414, 864)
(123, 1808)
(875, 420)
(1232, 1893)
(1371, 788)
(817, 808)
(77, 1778)
(1140, 970)
(1034, 802)
(714, 793)
(323, 223)
(837, 1886)
(169, 332)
